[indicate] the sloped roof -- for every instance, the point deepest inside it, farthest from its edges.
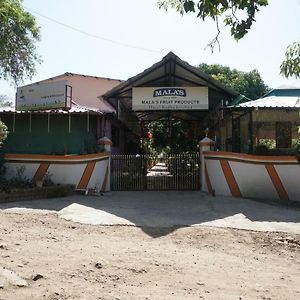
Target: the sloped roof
(182, 72)
(170, 71)
(273, 102)
(104, 106)
(285, 91)
(81, 75)
(287, 87)
(76, 108)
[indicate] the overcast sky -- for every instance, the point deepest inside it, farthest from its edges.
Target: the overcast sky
(116, 31)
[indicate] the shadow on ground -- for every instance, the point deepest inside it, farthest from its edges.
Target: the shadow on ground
(159, 213)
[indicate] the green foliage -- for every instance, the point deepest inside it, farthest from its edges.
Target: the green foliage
(20, 180)
(3, 136)
(269, 143)
(174, 136)
(291, 65)
(3, 132)
(239, 16)
(5, 101)
(18, 34)
(232, 10)
(297, 149)
(249, 84)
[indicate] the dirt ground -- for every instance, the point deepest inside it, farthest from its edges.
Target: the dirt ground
(123, 262)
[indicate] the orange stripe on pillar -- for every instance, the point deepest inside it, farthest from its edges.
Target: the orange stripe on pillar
(208, 183)
(86, 175)
(277, 182)
(233, 186)
(40, 172)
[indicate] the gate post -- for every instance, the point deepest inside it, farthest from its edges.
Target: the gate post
(204, 145)
(104, 144)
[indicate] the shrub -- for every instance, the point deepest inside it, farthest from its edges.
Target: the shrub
(297, 149)
(3, 132)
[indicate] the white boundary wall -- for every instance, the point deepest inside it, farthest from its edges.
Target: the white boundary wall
(251, 176)
(91, 171)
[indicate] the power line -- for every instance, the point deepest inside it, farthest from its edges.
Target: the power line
(92, 35)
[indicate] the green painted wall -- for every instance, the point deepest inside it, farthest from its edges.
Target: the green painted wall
(58, 141)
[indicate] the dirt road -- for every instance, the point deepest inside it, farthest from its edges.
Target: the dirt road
(78, 261)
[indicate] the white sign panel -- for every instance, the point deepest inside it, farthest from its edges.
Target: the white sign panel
(169, 98)
(43, 96)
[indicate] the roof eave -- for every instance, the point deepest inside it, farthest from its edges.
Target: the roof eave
(185, 65)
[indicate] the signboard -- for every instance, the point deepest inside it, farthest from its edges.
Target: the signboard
(169, 98)
(43, 96)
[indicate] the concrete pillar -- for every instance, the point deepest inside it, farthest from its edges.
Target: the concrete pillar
(204, 145)
(104, 144)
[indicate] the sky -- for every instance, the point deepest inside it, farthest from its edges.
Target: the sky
(119, 39)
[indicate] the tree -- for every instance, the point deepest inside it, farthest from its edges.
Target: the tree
(249, 84)
(5, 101)
(18, 34)
(173, 136)
(3, 132)
(3, 136)
(239, 15)
(291, 65)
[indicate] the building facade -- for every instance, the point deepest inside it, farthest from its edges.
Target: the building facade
(74, 130)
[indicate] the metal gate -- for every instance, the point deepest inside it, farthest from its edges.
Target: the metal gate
(142, 172)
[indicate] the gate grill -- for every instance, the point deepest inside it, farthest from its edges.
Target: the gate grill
(141, 172)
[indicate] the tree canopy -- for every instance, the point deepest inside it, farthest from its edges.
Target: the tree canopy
(249, 84)
(291, 65)
(230, 9)
(3, 132)
(172, 136)
(5, 101)
(239, 15)
(18, 35)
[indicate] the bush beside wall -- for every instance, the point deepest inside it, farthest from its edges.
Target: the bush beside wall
(21, 194)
